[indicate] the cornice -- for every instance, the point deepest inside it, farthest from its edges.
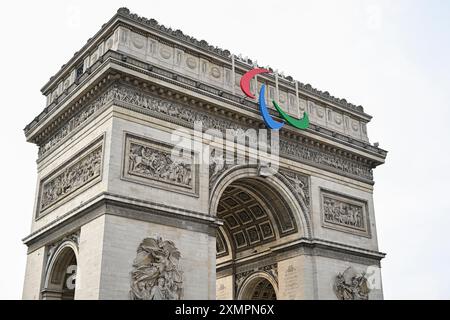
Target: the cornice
(53, 116)
(107, 201)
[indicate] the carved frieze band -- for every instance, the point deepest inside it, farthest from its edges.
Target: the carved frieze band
(153, 163)
(344, 213)
(83, 170)
(82, 117)
(315, 156)
(182, 114)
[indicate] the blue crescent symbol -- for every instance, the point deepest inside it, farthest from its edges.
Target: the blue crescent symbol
(268, 120)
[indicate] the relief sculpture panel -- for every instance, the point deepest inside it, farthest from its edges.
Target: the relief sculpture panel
(83, 170)
(156, 274)
(350, 285)
(154, 164)
(345, 213)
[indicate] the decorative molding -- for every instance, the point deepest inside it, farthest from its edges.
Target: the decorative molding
(81, 171)
(344, 213)
(121, 206)
(350, 285)
(289, 148)
(153, 163)
(156, 273)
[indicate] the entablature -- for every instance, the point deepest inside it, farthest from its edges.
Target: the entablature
(117, 78)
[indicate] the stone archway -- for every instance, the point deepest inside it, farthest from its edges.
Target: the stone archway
(60, 272)
(259, 213)
(258, 286)
(277, 185)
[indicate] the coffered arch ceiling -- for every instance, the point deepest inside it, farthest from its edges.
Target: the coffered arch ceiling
(253, 214)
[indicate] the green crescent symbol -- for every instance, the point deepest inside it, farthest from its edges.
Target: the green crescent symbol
(302, 123)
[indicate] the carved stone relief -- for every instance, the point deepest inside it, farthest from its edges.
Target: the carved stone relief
(217, 166)
(151, 162)
(350, 285)
(158, 165)
(344, 213)
(78, 172)
(299, 183)
(316, 156)
(74, 123)
(132, 42)
(156, 274)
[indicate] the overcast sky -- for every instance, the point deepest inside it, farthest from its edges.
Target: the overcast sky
(390, 56)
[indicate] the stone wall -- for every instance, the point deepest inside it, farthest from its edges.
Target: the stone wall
(34, 275)
(90, 264)
(122, 238)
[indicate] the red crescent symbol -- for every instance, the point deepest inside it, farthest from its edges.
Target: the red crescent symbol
(245, 80)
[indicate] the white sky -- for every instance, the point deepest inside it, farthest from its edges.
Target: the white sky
(391, 56)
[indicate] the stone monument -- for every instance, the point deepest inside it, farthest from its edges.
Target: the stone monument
(119, 215)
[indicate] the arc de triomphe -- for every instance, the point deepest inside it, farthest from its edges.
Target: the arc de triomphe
(117, 216)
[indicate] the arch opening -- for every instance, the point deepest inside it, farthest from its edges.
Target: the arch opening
(258, 214)
(258, 288)
(253, 215)
(61, 271)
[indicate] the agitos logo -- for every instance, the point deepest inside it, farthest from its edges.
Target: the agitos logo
(302, 123)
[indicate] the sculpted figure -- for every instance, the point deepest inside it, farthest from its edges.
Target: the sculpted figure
(159, 292)
(156, 274)
(157, 164)
(351, 286)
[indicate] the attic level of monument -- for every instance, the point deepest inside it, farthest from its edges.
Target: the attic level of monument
(108, 39)
(150, 27)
